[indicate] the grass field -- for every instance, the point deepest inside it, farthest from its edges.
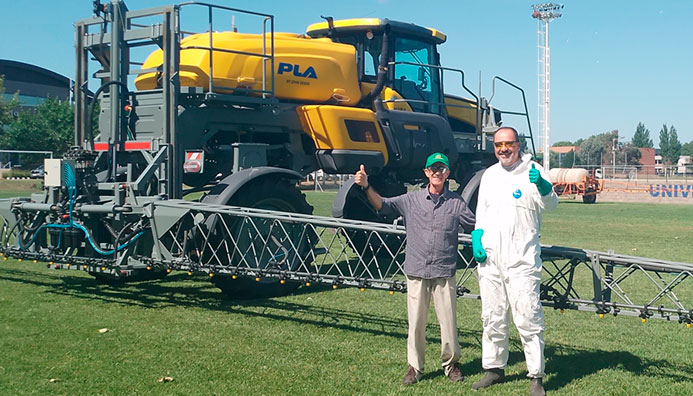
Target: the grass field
(320, 342)
(17, 188)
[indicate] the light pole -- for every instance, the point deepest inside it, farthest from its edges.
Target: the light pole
(613, 164)
(544, 13)
(601, 163)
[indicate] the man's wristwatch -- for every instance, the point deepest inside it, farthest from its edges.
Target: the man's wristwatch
(366, 188)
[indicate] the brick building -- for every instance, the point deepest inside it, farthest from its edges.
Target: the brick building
(647, 160)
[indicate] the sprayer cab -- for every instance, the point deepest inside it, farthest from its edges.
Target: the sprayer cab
(396, 59)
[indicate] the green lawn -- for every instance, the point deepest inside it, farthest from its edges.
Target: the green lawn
(647, 230)
(19, 188)
(324, 342)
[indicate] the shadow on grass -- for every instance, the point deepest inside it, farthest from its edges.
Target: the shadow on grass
(564, 363)
(569, 364)
(578, 203)
(178, 289)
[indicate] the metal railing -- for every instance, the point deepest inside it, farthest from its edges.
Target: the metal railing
(267, 54)
(484, 113)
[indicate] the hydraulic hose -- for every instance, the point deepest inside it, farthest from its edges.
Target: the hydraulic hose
(71, 185)
(382, 67)
(90, 112)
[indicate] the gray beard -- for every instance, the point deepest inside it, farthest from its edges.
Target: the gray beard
(513, 166)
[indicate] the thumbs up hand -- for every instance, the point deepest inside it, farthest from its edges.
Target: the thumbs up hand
(544, 186)
(534, 175)
(361, 177)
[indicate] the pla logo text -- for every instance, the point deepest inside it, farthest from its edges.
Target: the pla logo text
(296, 70)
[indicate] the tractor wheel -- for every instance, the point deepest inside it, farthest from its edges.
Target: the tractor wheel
(589, 197)
(358, 208)
(470, 190)
(126, 276)
(470, 193)
(271, 194)
(139, 275)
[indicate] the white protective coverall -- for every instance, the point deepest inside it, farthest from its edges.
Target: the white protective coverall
(509, 211)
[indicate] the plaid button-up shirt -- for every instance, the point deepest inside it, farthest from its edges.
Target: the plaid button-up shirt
(432, 230)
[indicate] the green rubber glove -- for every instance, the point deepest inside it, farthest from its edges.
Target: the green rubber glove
(477, 248)
(543, 185)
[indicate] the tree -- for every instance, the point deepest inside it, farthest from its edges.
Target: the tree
(664, 142)
(6, 107)
(628, 154)
(674, 145)
(687, 149)
(669, 145)
(48, 127)
(563, 143)
(595, 147)
(564, 160)
(641, 138)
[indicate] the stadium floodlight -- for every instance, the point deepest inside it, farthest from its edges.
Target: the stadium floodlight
(544, 13)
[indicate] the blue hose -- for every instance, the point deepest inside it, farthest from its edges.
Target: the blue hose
(71, 185)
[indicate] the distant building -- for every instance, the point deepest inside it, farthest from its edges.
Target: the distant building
(683, 165)
(648, 160)
(33, 83)
(564, 149)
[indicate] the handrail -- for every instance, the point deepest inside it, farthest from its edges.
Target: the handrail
(211, 48)
(524, 101)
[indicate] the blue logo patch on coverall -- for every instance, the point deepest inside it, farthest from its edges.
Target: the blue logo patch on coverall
(517, 193)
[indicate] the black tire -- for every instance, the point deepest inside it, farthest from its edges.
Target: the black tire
(470, 193)
(358, 208)
(590, 197)
(272, 194)
(142, 248)
(469, 190)
(139, 275)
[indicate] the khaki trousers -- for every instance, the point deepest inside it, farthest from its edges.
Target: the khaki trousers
(419, 292)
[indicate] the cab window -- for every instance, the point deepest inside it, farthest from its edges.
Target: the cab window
(413, 78)
(371, 57)
(367, 54)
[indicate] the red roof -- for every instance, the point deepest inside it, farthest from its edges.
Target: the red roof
(564, 149)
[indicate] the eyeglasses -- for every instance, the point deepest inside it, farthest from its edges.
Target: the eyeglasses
(441, 169)
(507, 144)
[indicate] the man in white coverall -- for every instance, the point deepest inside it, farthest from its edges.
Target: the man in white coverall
(512, 196)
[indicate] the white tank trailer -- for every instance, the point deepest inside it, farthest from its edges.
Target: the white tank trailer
(576, 181)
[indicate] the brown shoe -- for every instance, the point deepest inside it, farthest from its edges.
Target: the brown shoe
(536, 387)
(411, 377)
(455, 375)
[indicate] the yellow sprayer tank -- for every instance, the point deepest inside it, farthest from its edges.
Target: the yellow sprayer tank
(305, 69)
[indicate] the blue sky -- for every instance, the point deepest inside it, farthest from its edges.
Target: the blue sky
(613, 63)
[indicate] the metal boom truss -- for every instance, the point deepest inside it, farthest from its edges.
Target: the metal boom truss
(242, 242)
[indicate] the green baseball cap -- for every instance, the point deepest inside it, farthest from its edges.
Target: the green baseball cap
(437, 157)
